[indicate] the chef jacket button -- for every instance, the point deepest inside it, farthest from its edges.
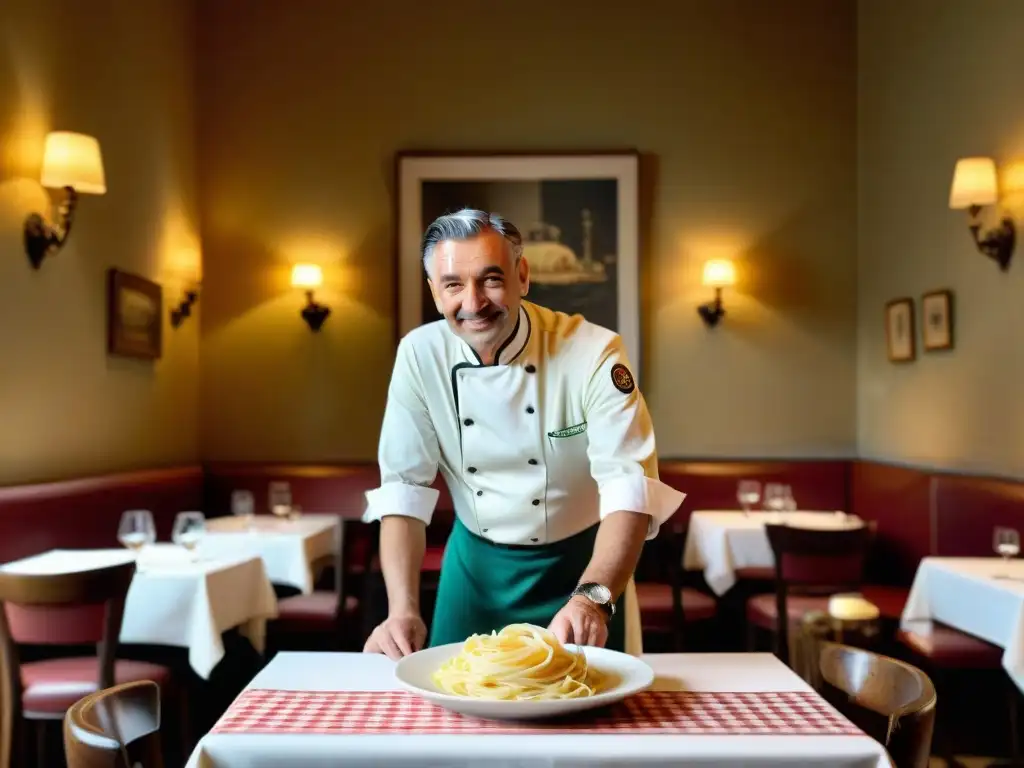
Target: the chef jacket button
(484, 530)
(479, 493)
(471, 470)
(529, 409)
(532, 462)
(531, 368)
(536, 502)
(534, 539)
(468, 422)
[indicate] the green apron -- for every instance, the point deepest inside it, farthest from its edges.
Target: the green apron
(485, 586)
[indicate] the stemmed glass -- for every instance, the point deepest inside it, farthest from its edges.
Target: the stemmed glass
(243, 506)
(1006, 542)
(789, 503)
(189, 528)
(748, 493)
(280, 499)
(136, 529)
(775, 497)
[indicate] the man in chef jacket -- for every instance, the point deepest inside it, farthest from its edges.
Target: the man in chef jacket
(534, 419)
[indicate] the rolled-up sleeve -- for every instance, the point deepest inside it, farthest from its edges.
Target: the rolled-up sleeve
(621, 448)
(408, 452)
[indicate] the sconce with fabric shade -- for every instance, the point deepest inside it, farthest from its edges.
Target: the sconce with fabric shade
(71, 162)
(975, 185)
(310, 276)
(717, 274)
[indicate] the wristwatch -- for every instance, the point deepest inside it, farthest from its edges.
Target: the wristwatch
(598, 594)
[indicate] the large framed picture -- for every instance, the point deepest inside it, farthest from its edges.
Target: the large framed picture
(899, 330)
(578, 214)
(134, 316)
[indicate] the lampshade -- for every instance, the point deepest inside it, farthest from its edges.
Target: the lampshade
(719, 273)
(73, 160)
(974, 183)
(307, 276)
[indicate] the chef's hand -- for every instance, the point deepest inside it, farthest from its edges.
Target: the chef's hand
(397, 636)
(580, 621)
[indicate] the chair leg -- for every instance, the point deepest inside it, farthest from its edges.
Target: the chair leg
(1013, 697)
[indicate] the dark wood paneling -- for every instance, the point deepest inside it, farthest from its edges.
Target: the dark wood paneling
(898, 500)
(85, 512)
(967, 510)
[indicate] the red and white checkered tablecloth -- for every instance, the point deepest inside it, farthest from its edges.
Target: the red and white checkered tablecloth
(794, 713)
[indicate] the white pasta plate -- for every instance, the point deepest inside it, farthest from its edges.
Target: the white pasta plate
(629, 675)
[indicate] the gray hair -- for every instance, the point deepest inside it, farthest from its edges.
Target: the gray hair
(465, 225)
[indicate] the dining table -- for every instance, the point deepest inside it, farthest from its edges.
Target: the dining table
(982, 596)
(319, 709)
(177, 598)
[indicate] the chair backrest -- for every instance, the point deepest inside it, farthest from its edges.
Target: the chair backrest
(117, 727)
(890, 700)
(819, 557)
(60, 609)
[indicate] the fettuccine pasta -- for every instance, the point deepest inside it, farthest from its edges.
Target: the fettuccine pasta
(521, 662)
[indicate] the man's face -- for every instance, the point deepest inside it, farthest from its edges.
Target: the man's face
(478, 288)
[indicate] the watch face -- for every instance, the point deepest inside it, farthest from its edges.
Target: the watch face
(599, 593)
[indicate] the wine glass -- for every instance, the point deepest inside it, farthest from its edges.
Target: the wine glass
(136, 529)
(788, 501)
(243, 506)
(1006, 542)
(748, 493)
(775, 497)
(189, 528)
(280, 499)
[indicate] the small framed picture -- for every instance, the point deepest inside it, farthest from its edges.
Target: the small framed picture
(134, 316)
(937, 320)
(899, 330)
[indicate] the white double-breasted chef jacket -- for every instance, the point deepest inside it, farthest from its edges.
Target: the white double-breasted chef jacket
(542, 444)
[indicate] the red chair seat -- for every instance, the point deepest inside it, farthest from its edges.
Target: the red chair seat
(889, 600)
(50, 687)
(755, 574)
(313, 612)
(656, 604)
(947, 647)
(761, 609)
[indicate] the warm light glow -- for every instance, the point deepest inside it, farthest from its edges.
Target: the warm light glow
(974, 183)
(719, 273)
(73, 160)
(307, 276)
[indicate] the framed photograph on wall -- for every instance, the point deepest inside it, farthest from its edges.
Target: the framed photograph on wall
(899, 330)
(578, 214)
(937, 320)
(134, 316)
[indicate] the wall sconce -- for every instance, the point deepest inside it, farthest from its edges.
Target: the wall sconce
(310, 276)
(975, 186)
(184, 308)
(718, 273)
(72, 162)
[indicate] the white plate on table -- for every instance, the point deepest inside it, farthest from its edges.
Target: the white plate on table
(413, 674)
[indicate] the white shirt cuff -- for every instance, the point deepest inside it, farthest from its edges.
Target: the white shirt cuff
(401, 499)
(639, 493)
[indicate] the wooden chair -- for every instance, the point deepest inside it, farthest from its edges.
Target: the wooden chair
(891, 701)
(117, 727)
(68, 609)
(667, 606)
(810, 565)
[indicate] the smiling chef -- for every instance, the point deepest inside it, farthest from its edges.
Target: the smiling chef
(535, 421)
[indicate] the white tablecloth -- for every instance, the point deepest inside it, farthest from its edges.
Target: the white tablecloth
(287, 547)
(974, 596)
(695, 672)
(174, 601)
(721, 542)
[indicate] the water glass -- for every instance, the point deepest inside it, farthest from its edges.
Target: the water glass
(789, 503)
(1006, 542)
(189, 528)
(748, 493)
(136, 529)
(280, 498)
(775, 497)
(243, 506)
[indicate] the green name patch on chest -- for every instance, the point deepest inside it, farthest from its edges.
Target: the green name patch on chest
(570, 431)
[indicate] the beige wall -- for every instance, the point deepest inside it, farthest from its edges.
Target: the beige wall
(939, 79)
(122, 72)
(746, 110)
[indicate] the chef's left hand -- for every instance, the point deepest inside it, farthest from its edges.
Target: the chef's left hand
(580, 621)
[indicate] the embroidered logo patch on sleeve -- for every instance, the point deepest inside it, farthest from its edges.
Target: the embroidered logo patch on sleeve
(622, 379)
